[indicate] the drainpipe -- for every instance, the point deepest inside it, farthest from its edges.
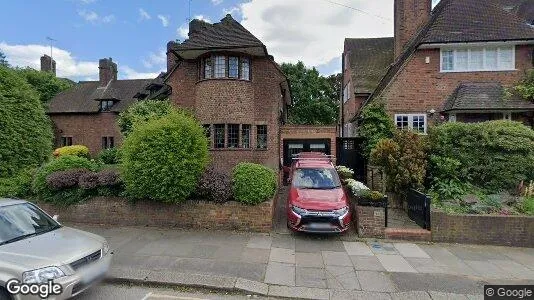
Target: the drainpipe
(342, 118)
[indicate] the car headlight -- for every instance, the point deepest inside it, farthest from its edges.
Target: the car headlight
(42, 275)
(342, 211)
(299, 211)
(105, 248)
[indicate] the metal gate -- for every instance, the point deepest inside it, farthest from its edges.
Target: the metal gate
(419, 208)
(292, 147)
(350, 154)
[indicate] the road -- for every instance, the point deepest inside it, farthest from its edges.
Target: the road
(107, 291)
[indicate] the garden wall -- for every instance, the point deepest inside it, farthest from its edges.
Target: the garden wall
(483, 229)
(370, 221)
(193, 214)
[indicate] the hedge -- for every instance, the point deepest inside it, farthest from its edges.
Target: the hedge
(494, 155)
(163, 159)
(215, 185)
(76, 150)
(142, 112)
(253, 183)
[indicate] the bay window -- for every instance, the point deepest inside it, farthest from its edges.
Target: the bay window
(472, 59)
(233, 67)
(222, 66)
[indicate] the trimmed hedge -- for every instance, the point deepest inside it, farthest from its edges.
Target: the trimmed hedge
(494, 155)
(163, 159)
(75, 150)
(215, 185)
(142, 112)
(253, 183)
(109, 156)
(18, 186)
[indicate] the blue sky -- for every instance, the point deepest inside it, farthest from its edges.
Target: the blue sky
(135, 32)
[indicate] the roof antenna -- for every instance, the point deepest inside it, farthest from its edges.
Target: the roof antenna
(51, 40)
(189, 5)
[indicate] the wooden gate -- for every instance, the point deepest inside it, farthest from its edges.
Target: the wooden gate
(350, 154)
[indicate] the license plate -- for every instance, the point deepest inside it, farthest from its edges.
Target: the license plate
(319, 226)
(93, 273)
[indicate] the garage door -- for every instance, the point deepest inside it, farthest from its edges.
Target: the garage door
(292, 147)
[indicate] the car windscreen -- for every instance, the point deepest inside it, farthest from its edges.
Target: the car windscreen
(316, 178)
(21, 221)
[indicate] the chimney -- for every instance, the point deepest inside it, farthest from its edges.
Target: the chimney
(107, 71)
(171, 58)
(410, 16)
(196, 26)
(48, 64)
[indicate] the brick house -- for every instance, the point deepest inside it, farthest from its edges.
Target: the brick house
(452, 63)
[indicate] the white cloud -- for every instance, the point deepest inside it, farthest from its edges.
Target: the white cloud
(129, 73)
(217, 2)
(202, 18)
(314, 32)
(93, 17)
(233, 11)
(143, 15)
(164, 20)
(183, 31)
(158, 59)
(67, 65)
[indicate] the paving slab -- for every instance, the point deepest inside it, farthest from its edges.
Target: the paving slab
(447, 296)
(366, 263)
(446, 283)
(428, 265)
(382, 248)
(304, 259)
(255, 255)
(410, 250)
(332, 258)
(260, 242)
(395, 263)
(286, 241)
(310, 277)
(358, 295)
(204, 280)
(519, 255)
(282, 255)
(252, 286)
(375, 281)
(216, 267)
(312, 244)
(414, 295)
(515, 269)
(346, 281)
(279, 273)
(299, 292)
(445, 257)
(487, 270)
(357, 248)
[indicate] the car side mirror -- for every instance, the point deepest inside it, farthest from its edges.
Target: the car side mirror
(55, 218)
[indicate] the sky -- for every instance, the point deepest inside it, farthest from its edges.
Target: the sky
(135, 32)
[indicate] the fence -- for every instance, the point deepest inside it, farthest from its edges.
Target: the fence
(419, 208)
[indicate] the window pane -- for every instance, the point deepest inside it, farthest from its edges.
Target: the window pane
(245, 68)
(233, 135)
(476, 60)
(69, 141)
(261, 136)
(220, 66)
(447, 63)
(245, 136)
(402, 122)
(111, 142)
(506, 59)
(491, 59)
(219, 136)
(461, 61)
(207, 67)
(233, 67)
(104, 142)
(418, 123)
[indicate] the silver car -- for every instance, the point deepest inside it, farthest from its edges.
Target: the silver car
(35, 250)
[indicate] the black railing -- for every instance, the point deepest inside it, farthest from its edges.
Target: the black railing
(419, 208)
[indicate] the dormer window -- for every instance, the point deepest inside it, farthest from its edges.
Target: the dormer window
(222, 66)
(105, 105)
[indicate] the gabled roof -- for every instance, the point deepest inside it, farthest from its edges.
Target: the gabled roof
(369, 60)
(84, 96)
(480, 21)
(486, 96)
(227, 34)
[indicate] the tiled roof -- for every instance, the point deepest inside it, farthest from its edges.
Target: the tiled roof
(228, 33)
(369, 60)
(82, 98)
(485, 96)
(474, 20)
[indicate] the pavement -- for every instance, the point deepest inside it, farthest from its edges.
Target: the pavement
(311, 267)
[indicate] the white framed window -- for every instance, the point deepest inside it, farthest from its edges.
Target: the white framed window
(415, 122)
(474, 59)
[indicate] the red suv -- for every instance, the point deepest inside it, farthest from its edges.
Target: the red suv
(317, 202)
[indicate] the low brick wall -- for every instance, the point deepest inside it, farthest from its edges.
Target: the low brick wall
(515, 231)
(190, 214)
(370, 221)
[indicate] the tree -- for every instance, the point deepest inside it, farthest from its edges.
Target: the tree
(142, 112)
(26, 131)
(45, 83)
(3, 60)
(375, 124)
(526, 87)
(315, 99)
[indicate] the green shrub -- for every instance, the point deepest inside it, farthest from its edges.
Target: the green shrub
(62, 163)
(253, 183)
(25, 130)
(375, 125)
(109, 156)
(163, 159)
(142, 112)
(215, 185)
(75, 150)
(527, 205)
(404, 160)
(18, 186)
(344, 172)
(494, 155)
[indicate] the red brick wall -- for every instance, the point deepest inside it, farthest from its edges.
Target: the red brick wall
(229, 101)
(514, 231)
(295, 132)
(420, 87)
(370, 221)
(86, 129)
(190, 214)
(410, 16)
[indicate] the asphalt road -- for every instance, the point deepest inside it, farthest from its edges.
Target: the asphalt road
(107, 291)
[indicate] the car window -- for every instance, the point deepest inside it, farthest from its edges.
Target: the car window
(23, 220)
(316, 178)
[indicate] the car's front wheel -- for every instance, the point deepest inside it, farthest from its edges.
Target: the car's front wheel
(4, 295)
